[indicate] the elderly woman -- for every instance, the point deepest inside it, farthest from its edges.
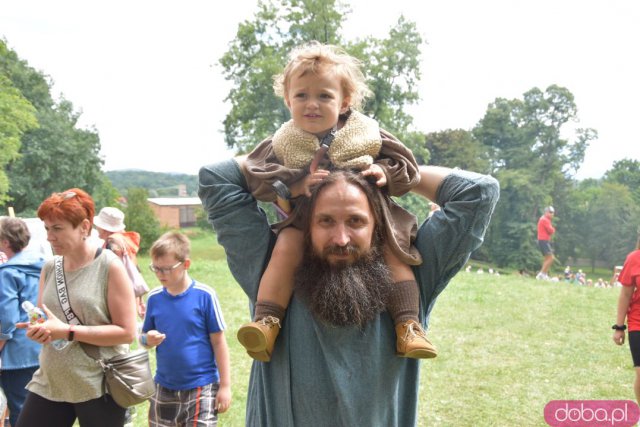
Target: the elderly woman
(68, 385)
(19, 278)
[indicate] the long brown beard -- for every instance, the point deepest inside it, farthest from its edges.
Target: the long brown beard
(344, 294)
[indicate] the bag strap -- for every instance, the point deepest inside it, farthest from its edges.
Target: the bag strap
(63, 298)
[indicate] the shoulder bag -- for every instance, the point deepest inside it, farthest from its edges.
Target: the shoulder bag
(127, 377)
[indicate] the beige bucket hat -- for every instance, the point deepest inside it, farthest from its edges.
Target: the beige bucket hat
(110, 219)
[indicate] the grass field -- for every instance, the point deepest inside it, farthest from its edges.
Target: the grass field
(508, 345)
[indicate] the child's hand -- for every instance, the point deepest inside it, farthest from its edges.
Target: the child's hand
(303, 186)
(223, 399)
(154, 338)
(376, 171)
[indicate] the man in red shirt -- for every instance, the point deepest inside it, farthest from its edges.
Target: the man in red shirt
(545, 231)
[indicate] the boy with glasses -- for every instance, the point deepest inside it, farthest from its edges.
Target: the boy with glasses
(184, 321)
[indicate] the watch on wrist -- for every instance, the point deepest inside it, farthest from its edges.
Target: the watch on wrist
(619, 327)
(71, 333)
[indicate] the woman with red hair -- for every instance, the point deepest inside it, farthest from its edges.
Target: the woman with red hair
(69, 383)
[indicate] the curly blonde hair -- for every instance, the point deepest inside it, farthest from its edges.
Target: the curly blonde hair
(315, 57)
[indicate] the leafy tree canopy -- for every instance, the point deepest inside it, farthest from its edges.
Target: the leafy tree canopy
(626, 172)
(457, 148)
(534, 164)
(54, 156)
(17, 115)
(140, 217)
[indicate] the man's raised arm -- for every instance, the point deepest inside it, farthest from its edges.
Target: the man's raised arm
(450, 235)
(430, 179)
(241, 226)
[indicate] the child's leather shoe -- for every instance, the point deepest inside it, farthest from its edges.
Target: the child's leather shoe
(411, 341)
(259, 337)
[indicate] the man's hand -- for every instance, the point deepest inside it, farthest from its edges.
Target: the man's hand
(377, 172)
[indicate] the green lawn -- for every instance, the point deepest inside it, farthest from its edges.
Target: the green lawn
(508, 345)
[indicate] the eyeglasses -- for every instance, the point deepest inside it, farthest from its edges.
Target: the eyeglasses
(167, 270)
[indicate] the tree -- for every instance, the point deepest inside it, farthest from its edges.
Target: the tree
(140, 217)
(626, 172)
(534, 165)
(611, 225)
(259, 52)
(393, 69)
(17, 115)
(457, 148)
(55, 156)
(105, 194)
(511, 239)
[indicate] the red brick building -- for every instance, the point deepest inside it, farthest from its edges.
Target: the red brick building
(175, 212)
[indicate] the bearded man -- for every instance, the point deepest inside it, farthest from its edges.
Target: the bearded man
(334, 362)
(343, 278)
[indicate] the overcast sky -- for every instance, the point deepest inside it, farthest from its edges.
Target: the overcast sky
(145, 75)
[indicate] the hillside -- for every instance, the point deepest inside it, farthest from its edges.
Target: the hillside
(159, 184)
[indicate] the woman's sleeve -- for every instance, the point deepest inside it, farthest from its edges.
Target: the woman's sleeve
(399, 165)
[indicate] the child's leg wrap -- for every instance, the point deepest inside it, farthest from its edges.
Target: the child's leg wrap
(266, 308)
(404, 301)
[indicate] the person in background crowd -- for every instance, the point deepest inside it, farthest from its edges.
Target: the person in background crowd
(3, 398)
(185, 324)
(19, 278)
(629, 310)
(69, 384)
(111, 229)
(545, 231)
